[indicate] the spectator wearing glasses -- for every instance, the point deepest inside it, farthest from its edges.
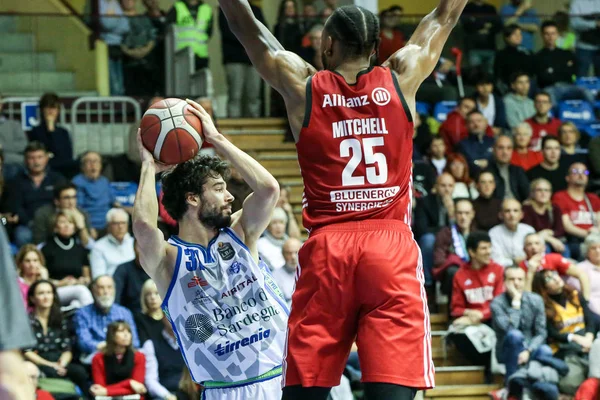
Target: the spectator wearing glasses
(542, 123)
(65, 201)
(580, 210)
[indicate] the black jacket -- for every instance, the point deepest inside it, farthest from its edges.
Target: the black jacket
(233, 51)
(519, 184)
(427, 218)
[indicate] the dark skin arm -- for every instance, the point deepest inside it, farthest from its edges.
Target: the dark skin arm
(283, 70)
(417, 60)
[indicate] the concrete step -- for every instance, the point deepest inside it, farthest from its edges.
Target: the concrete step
(25, 62)
(39, 81)
(462, 375)
(463, 392)
(17, 43)
(8, 24)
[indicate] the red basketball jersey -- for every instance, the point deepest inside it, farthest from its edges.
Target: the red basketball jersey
(355, 149)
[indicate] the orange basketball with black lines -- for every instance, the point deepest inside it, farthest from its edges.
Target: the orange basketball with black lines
(171, 132)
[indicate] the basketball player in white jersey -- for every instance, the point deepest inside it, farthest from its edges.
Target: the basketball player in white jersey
(228, 314)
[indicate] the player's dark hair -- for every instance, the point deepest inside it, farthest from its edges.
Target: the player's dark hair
(545, 139)
(356, 28)
(190, 177)
(35, 146)
(58, 189)
(509, 30)
(516, 75)
(549, 23)
(476, 238)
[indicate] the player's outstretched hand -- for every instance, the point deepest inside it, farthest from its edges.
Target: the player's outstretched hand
(209, 130)
(146, 156)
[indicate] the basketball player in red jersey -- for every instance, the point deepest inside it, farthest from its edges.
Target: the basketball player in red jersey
(360, 271)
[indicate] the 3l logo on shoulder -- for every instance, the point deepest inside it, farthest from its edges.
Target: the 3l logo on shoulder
(226, 251)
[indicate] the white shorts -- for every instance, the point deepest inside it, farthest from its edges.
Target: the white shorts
(264, 390)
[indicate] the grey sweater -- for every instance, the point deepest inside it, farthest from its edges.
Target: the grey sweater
(12, 140)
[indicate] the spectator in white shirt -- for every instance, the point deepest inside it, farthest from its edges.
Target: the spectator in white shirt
(591, 268)
(271, 244)
(508, 237)
(286, 276)
(115, 248)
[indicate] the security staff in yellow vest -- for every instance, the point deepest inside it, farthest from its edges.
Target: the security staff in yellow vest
(194, 22)
(571, 325)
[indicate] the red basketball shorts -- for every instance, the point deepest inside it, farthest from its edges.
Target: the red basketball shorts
(360, 281)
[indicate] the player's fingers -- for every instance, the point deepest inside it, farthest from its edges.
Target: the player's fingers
(196, 107)
(138, 139)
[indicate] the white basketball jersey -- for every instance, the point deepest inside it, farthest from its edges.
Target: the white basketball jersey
(228, 314)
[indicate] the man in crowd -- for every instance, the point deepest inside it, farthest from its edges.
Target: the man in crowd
(437, 154)
(12, 143)
(487, 206)
(31, 189)
(475, 285)
(551, 167)
(286, 276)
(477, 147)
(450, 250)
(508, 237)
(512, 58)
(94, 193)
(92, 321)
(580, 210)
(129, 279)
(519, 106)
(115, 248)
(542, 123)
(536, 259)
(511, 181)
(489, 103)
(65, 201)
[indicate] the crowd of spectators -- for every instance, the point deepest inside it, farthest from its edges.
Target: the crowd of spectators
(506, 212)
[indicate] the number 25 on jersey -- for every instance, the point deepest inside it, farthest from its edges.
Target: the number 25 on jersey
(355, 150)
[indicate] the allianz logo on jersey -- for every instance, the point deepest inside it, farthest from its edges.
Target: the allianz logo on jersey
(247, 341)
(380, 96)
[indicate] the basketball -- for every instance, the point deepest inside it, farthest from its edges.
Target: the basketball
(171, 132)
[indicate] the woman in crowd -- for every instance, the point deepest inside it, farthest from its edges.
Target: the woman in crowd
(56, 138)
(149, 321)
(119, 370)
(52, 353)
(571, 326)
(591, 266)
(288, 29)
(523, 156)
(271, 244)
(66, 259)
(164, 363)
(30, 267)
(464, 186)
(545, 217)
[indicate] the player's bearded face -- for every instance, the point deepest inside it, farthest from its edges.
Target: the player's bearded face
(214, 215)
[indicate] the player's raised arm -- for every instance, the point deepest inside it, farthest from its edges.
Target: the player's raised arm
(152, 246)
(285, 71)
(417, 60)
(255, 215)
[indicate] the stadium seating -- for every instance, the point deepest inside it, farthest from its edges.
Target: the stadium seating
(577, 111)
(442, 109)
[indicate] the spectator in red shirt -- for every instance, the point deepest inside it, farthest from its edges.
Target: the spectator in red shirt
(390, 38)
(538, 260)
(475, 285)
(454, 128)
(119, 370)
(522, 155)
(542, 123)
(545, 217)
(580, 210)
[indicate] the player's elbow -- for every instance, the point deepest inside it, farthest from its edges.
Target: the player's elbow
(269, 190)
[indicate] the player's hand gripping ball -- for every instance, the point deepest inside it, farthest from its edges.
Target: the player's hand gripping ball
(171, 132)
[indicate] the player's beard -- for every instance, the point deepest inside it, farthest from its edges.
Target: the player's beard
(214, 217)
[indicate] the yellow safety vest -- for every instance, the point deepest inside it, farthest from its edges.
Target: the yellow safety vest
(190, 33)
(568, 319)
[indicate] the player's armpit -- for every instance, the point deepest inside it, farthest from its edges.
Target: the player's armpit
(417, 60)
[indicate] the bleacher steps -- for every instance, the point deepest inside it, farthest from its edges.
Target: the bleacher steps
(8, 24)
(27, 62)
(462, 392)
(36, 81)
(17, 42)
(466, 375)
